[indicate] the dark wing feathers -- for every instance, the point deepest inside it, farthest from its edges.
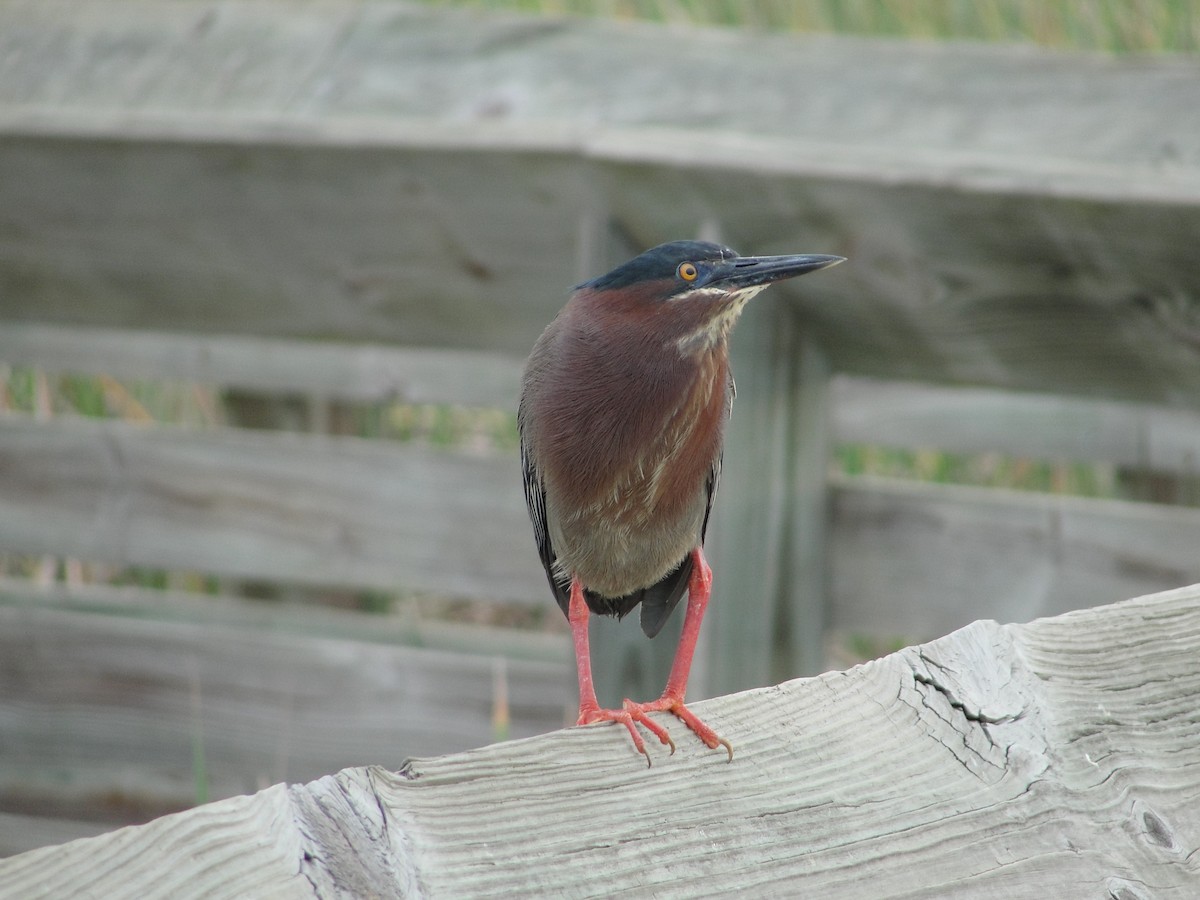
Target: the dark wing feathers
(660, 599)
(535, 502)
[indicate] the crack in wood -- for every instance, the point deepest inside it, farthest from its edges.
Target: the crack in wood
(959, 753)
(984, 694)
(348, 847)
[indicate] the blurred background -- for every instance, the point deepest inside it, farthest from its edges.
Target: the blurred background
(269, 271)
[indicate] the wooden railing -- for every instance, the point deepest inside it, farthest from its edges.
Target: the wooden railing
(1059, 757)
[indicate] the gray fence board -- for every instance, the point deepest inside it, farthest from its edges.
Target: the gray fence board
(913, 559)
(404, 625)
(1041, 426)
(344, 371)
(749, 522)
(302, 508)
(280, 240)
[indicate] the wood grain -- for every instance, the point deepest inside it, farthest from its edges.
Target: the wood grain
(917, 559)
(1034, 426)
(1046, 759)
(333, 369)
(308, 509)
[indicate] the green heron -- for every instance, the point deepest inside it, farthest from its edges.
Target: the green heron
(623, 408)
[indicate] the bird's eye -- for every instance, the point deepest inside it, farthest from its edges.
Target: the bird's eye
(687, 271)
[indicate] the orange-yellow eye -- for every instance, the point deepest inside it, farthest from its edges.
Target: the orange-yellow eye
(687, 272)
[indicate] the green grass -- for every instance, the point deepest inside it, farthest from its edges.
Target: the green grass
(1115, 26)
(992, 470)
(25, 390)
(450, 426)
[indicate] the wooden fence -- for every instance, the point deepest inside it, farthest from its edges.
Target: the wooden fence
(359, 202)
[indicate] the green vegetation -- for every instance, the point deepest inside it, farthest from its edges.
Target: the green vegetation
(26, 390)
(982, 469)
(1115, 26)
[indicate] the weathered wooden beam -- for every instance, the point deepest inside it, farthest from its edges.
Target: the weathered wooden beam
(998, 761)
(749, 521)
(281, 240)
(333, 369)
(912, 559)
(22, 832)
(310, 509)
(1035, 426)
(805, 583)
(901, 414)
(339, 71)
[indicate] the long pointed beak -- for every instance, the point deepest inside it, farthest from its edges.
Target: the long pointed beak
(750, 271)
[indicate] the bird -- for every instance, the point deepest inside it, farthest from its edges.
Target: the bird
(623, 407)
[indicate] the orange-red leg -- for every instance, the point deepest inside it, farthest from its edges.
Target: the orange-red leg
(672, 700)
(589, 706)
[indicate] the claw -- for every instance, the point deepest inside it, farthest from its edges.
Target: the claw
(632, 714)
(628, 716)
(637, 714)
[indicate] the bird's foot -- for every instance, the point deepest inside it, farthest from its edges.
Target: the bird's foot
(633, 714)
(630, 715)
(677, 708)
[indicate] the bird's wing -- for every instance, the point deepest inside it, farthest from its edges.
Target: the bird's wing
(710, 488)
(714, 475)
(660, 599)
(535, 502)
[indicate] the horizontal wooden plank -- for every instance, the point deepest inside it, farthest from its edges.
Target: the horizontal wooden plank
(346, 66)
(1000, 761)
(404, 626)
(980, 420)
(361, 372)
(303, 508)
(412, 249)
(916, 559)
(104, 714)
(1013, 218)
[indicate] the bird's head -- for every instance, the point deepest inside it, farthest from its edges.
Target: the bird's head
(689, 293)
